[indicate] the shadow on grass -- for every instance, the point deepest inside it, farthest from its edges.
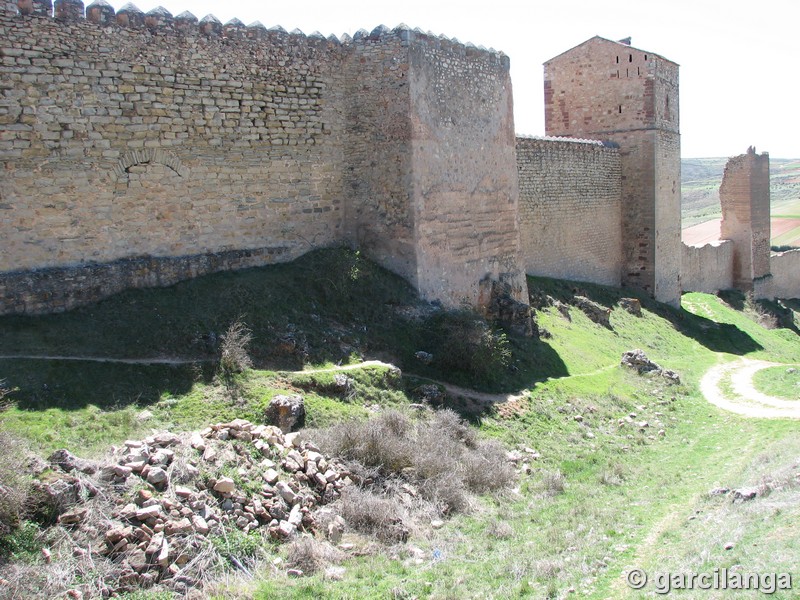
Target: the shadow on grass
(719, 337)
(72, 385)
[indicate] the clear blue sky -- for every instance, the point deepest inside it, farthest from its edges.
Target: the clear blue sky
(740, 62)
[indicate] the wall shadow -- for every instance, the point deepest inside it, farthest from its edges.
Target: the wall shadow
(72, 385)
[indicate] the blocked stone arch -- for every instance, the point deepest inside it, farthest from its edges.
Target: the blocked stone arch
(120, 175)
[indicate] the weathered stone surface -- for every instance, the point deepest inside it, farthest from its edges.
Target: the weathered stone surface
(148, 512)
(596, 312)
(66, 461)
(137, 560)
(72, 517)
(157, 477)
(570, 209)
(631, 305)
(224, 485)
(637, 359)
(286, 412)
(286, 492)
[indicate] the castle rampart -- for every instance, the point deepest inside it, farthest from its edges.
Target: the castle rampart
(570, 209)
(169, 138)
(141, 149)
(707, 268)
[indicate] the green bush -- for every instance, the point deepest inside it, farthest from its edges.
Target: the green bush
(462, 342)
(22, 543)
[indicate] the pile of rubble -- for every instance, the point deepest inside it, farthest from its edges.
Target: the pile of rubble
(173, 492)
(637, 359)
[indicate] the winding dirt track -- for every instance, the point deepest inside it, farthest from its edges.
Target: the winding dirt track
(743, 398)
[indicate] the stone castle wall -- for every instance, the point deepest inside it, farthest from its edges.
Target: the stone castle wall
(608, 90)
(135, 139)
(570, 209)
(707, 268)
(139, 150)
(161, 143)
(784, 279)
(166, 143)
(465, 188)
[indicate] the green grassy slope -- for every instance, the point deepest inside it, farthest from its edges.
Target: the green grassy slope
(621, 463)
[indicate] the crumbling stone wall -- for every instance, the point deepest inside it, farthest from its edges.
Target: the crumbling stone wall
(201, 147)
(707, 268)
(608, 90)
(570, 209)
(784, 278)
(744, 198)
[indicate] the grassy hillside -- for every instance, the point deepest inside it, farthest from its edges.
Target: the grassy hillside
(701, 178)
(615, 468)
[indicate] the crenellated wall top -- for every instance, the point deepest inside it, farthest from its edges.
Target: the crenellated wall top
(160, 19)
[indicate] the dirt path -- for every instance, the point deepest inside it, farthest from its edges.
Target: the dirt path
(481, 399)
(454, 390)
(743, 398)
(104, 359)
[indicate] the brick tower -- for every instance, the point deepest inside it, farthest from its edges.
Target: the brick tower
(611, 91)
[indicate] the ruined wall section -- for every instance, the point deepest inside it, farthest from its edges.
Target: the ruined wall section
(379, 212)
(570, 209)
(707, 268)
(784, 281)
(744, 199)
(465, 182)
(169, 140)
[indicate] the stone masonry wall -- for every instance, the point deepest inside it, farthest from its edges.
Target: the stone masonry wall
(465, 188)
(379, 212)
(146, 148)
(570, 210)
(607, 90)
(707, 268)
(167, 141)
(784, 281)
(744, 199)
(167, 144)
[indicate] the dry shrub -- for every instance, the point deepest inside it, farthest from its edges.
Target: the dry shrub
(233, 351)
(448, 423)
(486, 468)
(14, 483)
(553, 482)
(380, 442)
(441, 457)
(447, 490)
(500, 530)
(311, 555)
(613, 476)
(369, 513)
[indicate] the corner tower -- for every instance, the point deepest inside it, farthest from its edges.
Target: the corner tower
(611, 91)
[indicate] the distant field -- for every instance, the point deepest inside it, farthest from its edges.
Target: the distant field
(700, 210)
(785, 232)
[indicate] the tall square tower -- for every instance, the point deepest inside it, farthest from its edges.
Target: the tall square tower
(611, 91)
